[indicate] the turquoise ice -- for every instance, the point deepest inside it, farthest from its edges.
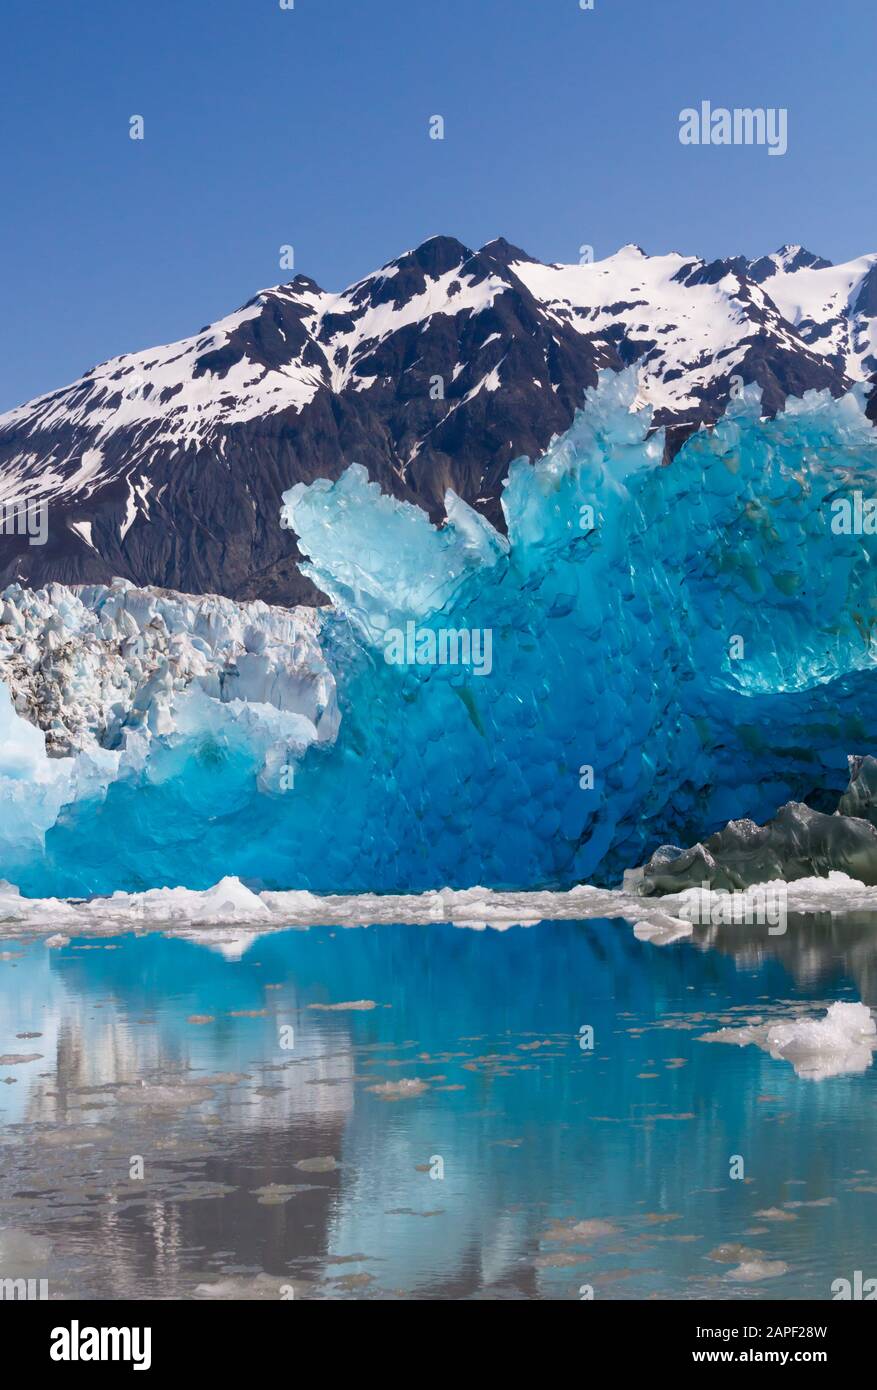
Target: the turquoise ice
(671, 646)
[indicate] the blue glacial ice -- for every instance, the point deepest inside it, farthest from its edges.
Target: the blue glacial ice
(670, 647)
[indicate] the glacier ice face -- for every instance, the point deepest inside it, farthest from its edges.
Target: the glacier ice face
(671, 647)
(33, 788)
(697, 635)
(96, 665)
(107, 685)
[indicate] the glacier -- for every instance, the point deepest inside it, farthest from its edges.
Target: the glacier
(672, 647)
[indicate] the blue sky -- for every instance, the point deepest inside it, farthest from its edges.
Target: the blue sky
(309, 127)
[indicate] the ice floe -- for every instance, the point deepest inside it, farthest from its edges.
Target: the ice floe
(206, 916)
(841, 1043)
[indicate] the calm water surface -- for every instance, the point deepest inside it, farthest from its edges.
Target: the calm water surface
(288, 1146)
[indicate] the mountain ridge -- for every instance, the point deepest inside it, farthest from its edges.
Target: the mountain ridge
(166, 466)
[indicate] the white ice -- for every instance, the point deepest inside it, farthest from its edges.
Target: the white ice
(90, 675)
(231, 903)
(841, 1043)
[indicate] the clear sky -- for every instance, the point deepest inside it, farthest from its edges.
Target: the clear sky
(309, 127)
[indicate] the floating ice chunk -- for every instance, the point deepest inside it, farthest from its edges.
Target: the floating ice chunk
(205, 916)
(761, 903)
(239, 1288)
(351, 1006)
(407, 1088)
(841, 1043)
(41, 912)
(733, 1253)
(325, 1164)
(662, 930)
(752, 1271)
(227, 901)
(580, 1232)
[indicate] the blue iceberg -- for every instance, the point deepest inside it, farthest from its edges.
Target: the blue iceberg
(652, 650)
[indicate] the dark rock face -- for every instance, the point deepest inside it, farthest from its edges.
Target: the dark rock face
(167, 467)
(788, 258)
(860, 797)
(798, 843)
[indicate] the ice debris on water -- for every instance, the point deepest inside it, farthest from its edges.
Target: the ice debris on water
(841, 1043)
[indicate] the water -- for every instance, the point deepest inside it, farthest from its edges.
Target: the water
(279, 1171)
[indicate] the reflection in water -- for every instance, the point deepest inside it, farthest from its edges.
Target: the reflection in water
(816, 949)
(289, 1146)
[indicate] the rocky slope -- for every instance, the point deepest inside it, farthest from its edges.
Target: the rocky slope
(166, 466)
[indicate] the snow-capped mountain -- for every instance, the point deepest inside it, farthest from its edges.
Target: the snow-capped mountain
(167, 466)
